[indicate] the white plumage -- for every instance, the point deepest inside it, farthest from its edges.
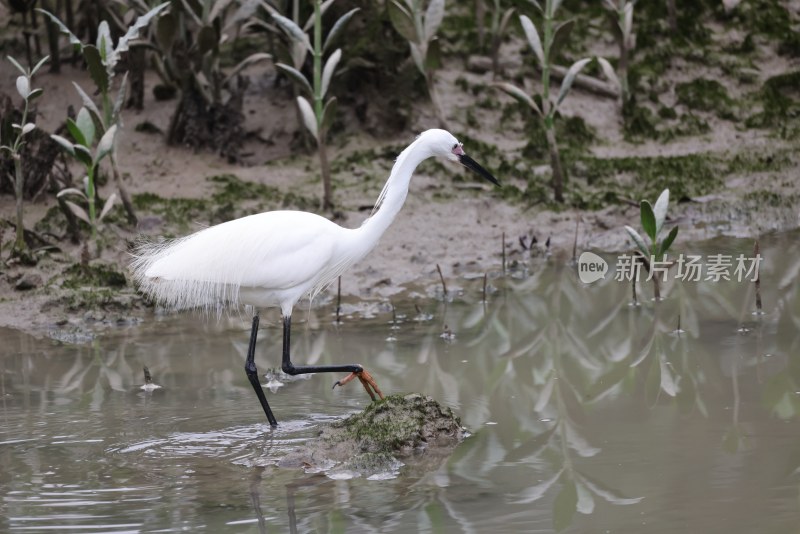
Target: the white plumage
(274, 258)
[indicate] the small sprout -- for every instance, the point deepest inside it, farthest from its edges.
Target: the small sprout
(652, 219)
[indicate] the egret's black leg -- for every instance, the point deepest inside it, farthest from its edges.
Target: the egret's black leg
(252, 372)
(355, 370)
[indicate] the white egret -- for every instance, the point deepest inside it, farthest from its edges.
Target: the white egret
(277, 257)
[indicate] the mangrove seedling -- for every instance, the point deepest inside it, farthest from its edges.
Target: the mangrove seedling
(102, 59)
(653, 218)
(500, 20)
(20, 130)
(82, 129)
(621, 20)
(419, 28)
(317, 118)
(546, 52)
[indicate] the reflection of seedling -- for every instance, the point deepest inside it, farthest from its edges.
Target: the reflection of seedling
(28, 94)
(757, 280)
(546, 51)
(653, 218)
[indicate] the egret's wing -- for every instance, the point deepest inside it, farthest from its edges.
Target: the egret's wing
(271, 251)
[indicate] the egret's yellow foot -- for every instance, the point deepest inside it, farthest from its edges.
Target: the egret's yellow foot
(366, 380)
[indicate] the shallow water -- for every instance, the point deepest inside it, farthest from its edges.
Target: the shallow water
(587, 414)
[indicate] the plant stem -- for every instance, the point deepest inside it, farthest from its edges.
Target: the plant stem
(90, 193)
(555, 163)
(123, 193)
(548, 109)
(437, 106)
(19, 183)
(19, 245)
(318, 63)
(327, 195)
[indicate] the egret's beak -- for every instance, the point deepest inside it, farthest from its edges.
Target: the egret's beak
(472, 165)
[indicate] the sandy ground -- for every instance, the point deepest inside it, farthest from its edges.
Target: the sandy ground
(456, 226)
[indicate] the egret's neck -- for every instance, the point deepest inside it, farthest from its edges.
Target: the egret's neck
(394, 192)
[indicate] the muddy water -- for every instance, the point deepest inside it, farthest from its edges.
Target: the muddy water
(587, 414)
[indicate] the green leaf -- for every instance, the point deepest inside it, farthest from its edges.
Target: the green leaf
(533, 38)
(433, 58)
(96, 68)
(133, 31)
(560, 36)
(106, 144)
(206, 39)
(75, 132)
(309, 119)
(118, 103)
(638, 241)
(296, 77)
(62, 28)
(504, 22)
(16, 64)
(66, 145)
(323, 7)
(23, 87)
(433, 18)
(166, 31)
(613, 23)
(519, 94)
(328, 115)
(83, 155)
(565, 506)
(36, 93)
(668, 241)
(609, 72)
(293, 31)
(71, 191)
(338, 27)
(246, 62)
(104, 42)
(107, 206)
(566, 84)
(416, 55)
(89, 104)
(38, 66)
(648, 220)
(402, 21)
(86, 126)
(328, 70)
(660, 209)
(78, 211)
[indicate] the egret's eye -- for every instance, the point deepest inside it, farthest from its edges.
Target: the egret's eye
(455, 146)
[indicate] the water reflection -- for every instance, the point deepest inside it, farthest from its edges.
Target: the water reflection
(587, 414)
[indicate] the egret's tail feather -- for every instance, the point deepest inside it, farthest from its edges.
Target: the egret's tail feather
(169, 272)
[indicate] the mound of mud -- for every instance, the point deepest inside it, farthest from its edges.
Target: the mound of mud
(378, 441)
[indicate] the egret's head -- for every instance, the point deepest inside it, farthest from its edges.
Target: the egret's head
(444, 144)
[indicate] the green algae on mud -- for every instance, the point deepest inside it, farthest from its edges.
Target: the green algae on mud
(372, 441)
